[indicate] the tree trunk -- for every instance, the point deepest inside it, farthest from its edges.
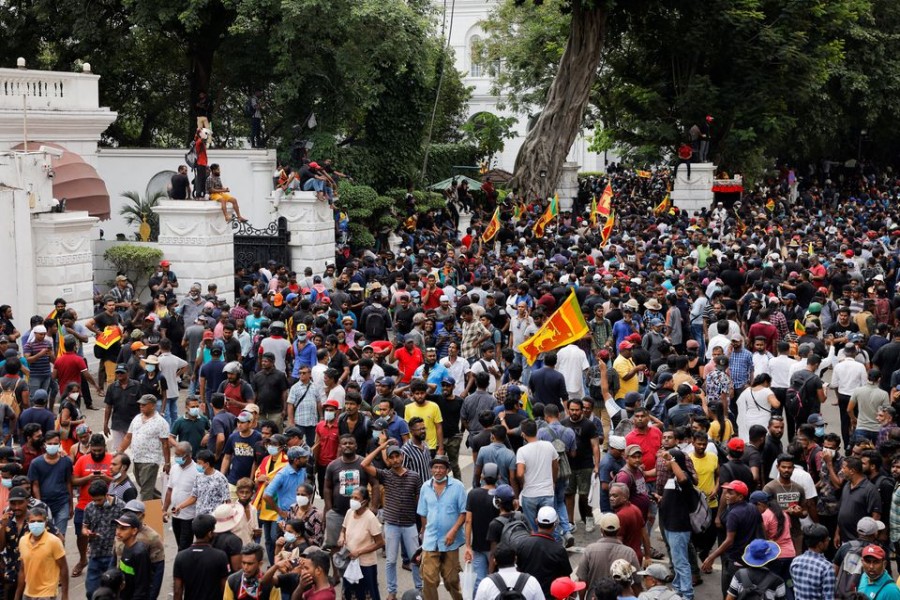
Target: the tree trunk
(555, 130)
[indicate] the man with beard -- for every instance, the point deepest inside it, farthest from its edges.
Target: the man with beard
(429, 413)
(773, 446)
(584, 463)
(451, 407)
(432, 372)
(343, 475)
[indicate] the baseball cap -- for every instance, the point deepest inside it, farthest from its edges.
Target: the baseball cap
(609, 522)
(874, 551)
(656, 571)
(738, 486)
(547, 516)
(40, 396)
(617, 442)
(631, 449)
(503, 492)
(121, 368)
(758, 496)
(135, 346)
(135, 506)
(563, 587)
(296, 452)
(624, 345)
(208, 335)
(18, 493)
(331, 404)
(129, 520)
(490, 470)
(869, 526)
(816, 419)
(245, 417)
(147, 399)
(736, 444)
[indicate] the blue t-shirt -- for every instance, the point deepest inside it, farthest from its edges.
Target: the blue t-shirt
(500, 455)
(224, 422)
(284, 486)
(214, 373)
(242, 456)
(609, 466)
(53, 478)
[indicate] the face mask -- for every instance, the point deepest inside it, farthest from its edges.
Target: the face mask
(37, 529)
(195, 411)
(355, 504)
(150, 368)
(272, 450)
(820, 432)
(179, 460)
(52, 449)
(289, 537)
(7, 483)
(376, 434)
(302, 500)
(329, 415)
(440, 480)
(73, 396)
(200, 469)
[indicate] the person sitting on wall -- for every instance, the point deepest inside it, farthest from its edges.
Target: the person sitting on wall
(220, 193)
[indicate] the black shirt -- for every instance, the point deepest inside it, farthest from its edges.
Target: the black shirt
(180, 184)
(228, 543)
(674, 510)
(585, 431)
(771, 449)
(124, 404)
(450, 411)
(199, 567)
(543, 558)
(231, 349)
(403, 319)
(135, 566)
(480, 503)
(479, 440)
(269, 387)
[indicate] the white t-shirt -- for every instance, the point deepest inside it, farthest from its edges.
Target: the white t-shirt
(572, 362)
(337, 393)
(168, 368)
(753, 409)
(538, 457)
(487, 589)
(181, 482)
(477, 367)
(458, 370)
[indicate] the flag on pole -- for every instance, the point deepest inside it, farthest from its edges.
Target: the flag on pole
(605, 205)
(799, 328)
(594, 212)
(544, 220)
(663, 206)
(607, 229)
(565, 326)
(492, 227)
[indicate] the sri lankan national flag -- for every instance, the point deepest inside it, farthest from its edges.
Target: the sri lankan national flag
(544, 220)
(565, 326)
(770, 205)
(643, 174)
(517, 213)
(492, 227)
(108, 337)
(607, 229)
(739, 222)
(663, 206)
(605, 205)
(799, 328)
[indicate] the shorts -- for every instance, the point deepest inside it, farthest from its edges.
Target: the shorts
(78, 521)
(222, 197)
(334, 521)
(579, 482)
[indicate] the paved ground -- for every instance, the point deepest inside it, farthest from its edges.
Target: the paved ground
(708, 591)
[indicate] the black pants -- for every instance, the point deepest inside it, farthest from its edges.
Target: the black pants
(680, 162)
(843, 401)
(201, 172)
(184, 533)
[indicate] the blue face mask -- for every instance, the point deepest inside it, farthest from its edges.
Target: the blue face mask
(272, 450)
(179, 460)
(7, 483)
(37, 528)
(52, 449)
(440, 480)
(289, 537)
(194, 411)
(376, 434)
(820, 432)
(200, 469)
(150, 368)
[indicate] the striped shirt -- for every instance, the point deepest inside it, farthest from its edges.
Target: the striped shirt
(401, 496)
(417, 459)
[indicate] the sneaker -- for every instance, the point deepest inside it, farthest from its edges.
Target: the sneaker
(589, 525)
(568, 540)
(572, 526)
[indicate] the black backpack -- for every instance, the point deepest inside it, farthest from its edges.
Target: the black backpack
(191, 157)
(515, 530)
(506, 592)
(376, 325)
(793, 397)
(754, 591)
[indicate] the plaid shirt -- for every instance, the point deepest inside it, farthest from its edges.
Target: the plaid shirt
(307, 413)
(813, 576)
(472, 334)
(500, 392)
(601, 331)
(664, 473)
(741, 364)
(102, 521)
(717, 383)
(778, 319)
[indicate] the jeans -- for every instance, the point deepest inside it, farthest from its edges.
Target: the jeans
(171, 409)
(559, 500)
(271, 533)
(309, 434)
(314, 184)
(95, 568)
(39, 382)
(60, 511)
(863, 434)
(394, 536)
(480, 562)
(678, 544)
(184, 533)
(697, 334)
(531, 506)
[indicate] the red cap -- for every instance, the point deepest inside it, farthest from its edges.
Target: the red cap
(624, 345)
(208, 335)
(634, 338)
(736, 444)
(874, 551)
(313, 165)
(849, 253)
(164, 263)
(331, 404)
(738, 486)
(563, 587)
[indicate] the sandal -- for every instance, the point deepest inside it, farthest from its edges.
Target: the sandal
(78, 569)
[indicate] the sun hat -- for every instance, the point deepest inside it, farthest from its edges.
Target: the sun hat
(228, 516)
(759, 553)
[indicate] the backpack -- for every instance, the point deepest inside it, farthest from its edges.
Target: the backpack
(248, 108)
(515, 530)
(376, 325)
(701, 516)
(612, 380)
(850, 572)
(793, 397)
(754, 591)
(191, 157)
(565, 469)
(506, 592)
(8, 397)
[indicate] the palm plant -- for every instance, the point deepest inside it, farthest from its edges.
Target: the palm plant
(139, 211)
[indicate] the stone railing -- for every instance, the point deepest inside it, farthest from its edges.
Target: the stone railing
(48, 90)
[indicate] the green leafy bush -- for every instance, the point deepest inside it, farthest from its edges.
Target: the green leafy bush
(138, 263)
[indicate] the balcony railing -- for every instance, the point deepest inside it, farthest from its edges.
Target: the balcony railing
(48, 90)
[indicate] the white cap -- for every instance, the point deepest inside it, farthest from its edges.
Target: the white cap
(39, 329)
(617, 442)
(547, 516)
(444, 299)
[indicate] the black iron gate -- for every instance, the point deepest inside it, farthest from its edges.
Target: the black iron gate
(253, 245)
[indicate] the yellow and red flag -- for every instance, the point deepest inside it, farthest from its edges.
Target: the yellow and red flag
(643, 174)
(605, 205)
(799, 328)
(663, 206)
(770, 205)
(492, 227)
(565, 326)
(594, 212)
(544, 220)
(108, 337)
(607, 229)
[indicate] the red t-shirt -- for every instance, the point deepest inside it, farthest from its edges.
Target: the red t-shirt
(85, 466)
(328, 442)
(768, 331)
(326, 594)
(408, 362)
(650, 443)
(68, 369)
(431, 298)
(631, 524)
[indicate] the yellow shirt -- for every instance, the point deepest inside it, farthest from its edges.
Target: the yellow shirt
(714, 430)
(39, 565)
(622, 366)
(706, 473)
(431, 414)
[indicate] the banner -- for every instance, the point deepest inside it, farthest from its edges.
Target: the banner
(565, 326)
(663, 206)
(799, 328)
(605, 205)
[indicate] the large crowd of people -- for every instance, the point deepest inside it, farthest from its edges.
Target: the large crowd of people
(318, 426)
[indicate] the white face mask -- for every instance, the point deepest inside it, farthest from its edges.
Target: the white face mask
(73, 396)
(355, 504)
(329, 415)
(302, 500)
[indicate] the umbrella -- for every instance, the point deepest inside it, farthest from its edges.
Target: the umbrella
(474, 184)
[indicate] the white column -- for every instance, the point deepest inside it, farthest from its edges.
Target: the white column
(567, 188)
(311, 224)
(259, 208)
(63, 261)
(198, 241)
(695, 193)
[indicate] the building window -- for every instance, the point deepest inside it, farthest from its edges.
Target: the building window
(475, 55)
